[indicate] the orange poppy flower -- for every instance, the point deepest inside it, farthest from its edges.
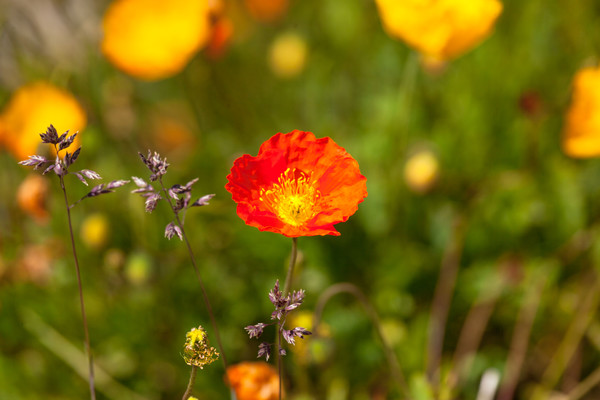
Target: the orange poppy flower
(31, 109)
(581, 133)
(254, 381)
(32, 195)
(439, 29)
(297, 185)
(154, 39)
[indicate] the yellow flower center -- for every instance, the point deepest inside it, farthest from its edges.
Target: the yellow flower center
(293, 197)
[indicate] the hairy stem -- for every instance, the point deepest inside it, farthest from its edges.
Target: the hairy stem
(286, 289)
(372, 313)
(190, 385)
(81, 302)
(197, 271)
(290, 272)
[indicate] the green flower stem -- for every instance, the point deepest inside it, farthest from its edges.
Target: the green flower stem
(190, 385)
(81, 302)
(197, 271)
(290, 272)
(286, 289)
(372, 313)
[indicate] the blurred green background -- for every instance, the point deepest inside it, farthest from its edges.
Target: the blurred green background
(522, 215)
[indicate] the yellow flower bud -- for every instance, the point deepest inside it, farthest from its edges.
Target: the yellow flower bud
(287, 55)
(421, 171)
(94, 231)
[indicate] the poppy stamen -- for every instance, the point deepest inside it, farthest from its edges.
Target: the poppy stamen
(293, 197)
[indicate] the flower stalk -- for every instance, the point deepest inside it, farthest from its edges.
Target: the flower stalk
(286, 289)
(179, 200)
(60, 167)
(197, 353)
(211, 315)
(188, 390)
(346, 287)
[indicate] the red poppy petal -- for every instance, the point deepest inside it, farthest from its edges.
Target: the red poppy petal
(297, 185)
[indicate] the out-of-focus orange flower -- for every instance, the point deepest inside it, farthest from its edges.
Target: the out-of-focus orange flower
(32, 195)
(171, 130)
(29, 112)
(267, 10)
(221, 33)
(35, 263)
(254, 381)
(221, 30)
(154, 39)
(440, 29)
(287, 55)
(297, 185)
(421, 171)
(581, 132)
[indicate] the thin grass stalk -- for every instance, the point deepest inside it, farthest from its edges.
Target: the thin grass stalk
(197, 271)
(520, 341)
(81, 302)
(352, 289)
(443, 297)
(585, 386)
(568, 346)
(470, 336)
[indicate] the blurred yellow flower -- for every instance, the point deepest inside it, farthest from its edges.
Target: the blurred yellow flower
(302, 348)
(439, 29)
(29, 112)
(154, 39)
(287, 55)
(581, 132)
(421, 171)
(94, 231)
